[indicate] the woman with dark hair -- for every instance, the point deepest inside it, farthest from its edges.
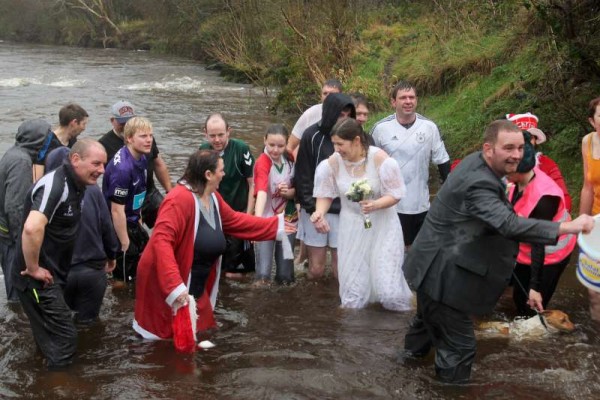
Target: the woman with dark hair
(534, 194)
(370, 254)
(183, 255)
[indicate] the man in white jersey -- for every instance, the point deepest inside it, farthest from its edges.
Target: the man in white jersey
(414, 142)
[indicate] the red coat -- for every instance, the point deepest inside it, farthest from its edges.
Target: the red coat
(164, 268)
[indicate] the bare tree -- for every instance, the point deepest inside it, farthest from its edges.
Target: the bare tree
(100, 10)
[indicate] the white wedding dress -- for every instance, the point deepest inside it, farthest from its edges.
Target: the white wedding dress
(369, 260)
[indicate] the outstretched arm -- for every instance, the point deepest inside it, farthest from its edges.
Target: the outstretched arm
(245, 226)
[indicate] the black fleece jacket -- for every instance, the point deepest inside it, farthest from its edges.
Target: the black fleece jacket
(316, 146)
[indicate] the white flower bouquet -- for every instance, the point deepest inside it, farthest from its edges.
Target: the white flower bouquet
(360, 190)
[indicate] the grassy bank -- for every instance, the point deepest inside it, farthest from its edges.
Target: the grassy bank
(472, 61)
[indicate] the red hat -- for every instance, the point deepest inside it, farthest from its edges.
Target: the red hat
(528, 122)
(523, 121)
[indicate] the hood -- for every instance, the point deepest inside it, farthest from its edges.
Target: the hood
(31, 134)
(332, 107)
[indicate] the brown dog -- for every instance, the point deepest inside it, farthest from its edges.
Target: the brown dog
(556, 321)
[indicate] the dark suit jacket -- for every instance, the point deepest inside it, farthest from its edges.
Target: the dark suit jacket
(465, 252)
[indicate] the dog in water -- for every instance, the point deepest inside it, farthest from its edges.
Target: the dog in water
(529, 328)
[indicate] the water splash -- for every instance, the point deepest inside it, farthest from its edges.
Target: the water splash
(181, 84)
(16, 82)
(21, 82)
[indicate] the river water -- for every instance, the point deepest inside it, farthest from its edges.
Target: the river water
(278, 343)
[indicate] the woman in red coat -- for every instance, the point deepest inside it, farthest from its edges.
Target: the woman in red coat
(184, 252)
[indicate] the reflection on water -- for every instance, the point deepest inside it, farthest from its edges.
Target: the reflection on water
(283, 342)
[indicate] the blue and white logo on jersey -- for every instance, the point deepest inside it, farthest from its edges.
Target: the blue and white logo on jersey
(138, 200)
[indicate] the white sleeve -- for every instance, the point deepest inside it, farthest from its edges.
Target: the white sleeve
(439, 155)
(308, 117)
(375, 135)
(392, 183)
(325, 185)
(300, 127)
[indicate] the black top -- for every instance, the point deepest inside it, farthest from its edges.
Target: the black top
(59, 197)
(316, 146)
(96, 237)
(50, 143)
(209, 246)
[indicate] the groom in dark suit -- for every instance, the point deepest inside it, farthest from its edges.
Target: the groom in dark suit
(463, 257)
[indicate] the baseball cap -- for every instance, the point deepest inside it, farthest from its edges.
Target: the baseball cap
(122, 111)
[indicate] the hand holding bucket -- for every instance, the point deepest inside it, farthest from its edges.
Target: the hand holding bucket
(588, 268)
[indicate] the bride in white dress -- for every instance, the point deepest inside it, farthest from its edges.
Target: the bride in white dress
(369, 259)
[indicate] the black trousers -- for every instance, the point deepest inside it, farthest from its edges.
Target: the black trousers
(51, 322)
(239, 256)
(550, 276)
(127, 263)
(84, 291)
(450, 331)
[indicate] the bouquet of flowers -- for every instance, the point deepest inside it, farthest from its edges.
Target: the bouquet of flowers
(360, 190)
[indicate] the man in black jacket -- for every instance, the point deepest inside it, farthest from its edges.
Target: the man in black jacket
(463, 256)
(315, 147)
(45, 247)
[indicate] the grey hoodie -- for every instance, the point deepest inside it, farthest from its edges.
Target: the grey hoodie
(16, 175)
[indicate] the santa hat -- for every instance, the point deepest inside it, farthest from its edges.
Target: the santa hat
(528, 122)
(184, 326)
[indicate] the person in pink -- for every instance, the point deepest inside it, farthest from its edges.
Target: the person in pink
(534, 194)
(529, 122)
(183, 255)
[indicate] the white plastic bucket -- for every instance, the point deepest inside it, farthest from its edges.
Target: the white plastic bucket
(588, 268)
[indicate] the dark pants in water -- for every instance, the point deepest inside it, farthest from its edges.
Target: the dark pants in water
(448, 330)
(85, 289)
(239, 256)
(51, 322)
(138, 237)
(7, 259)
